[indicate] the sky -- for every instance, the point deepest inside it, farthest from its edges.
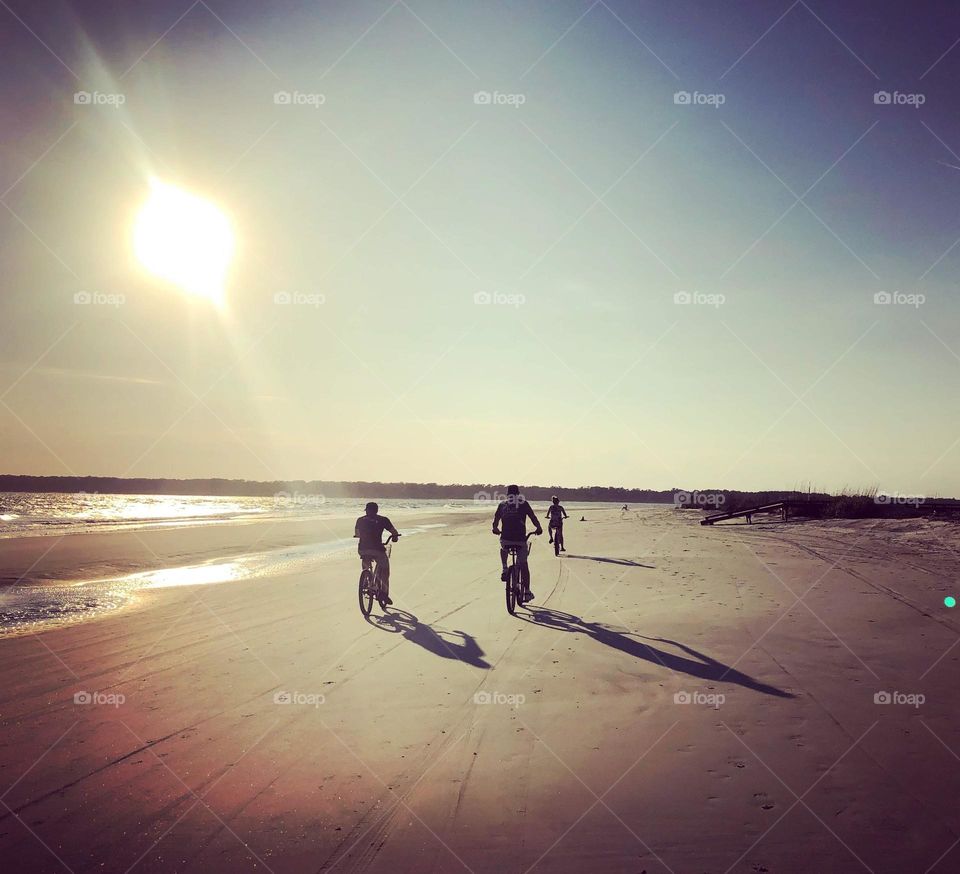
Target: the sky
(651, 245)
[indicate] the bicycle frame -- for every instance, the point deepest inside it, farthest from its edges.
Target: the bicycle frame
(388, 550)
(371, 583)
(556, 532)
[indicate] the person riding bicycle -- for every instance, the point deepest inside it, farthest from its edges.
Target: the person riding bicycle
(511, 518)
(556, 514)
(369, 529)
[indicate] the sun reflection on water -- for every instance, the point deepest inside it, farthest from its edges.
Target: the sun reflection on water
(197, 575)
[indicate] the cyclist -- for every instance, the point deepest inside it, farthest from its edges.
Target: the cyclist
(511, 517)
(556, 514)
(369, 529)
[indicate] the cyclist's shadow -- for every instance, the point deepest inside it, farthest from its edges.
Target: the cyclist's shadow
(456, 645)
(698, 665)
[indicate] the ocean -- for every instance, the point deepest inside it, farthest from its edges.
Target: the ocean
(35, 513)
(32, 513)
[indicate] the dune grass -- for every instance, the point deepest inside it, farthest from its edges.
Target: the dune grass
(806, 502)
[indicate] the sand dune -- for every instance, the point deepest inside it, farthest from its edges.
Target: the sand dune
(676, 699)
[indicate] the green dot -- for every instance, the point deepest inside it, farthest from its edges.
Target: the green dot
(950, 601)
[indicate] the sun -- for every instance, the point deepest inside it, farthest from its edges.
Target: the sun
(184, 240)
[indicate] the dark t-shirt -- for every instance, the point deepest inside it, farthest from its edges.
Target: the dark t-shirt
(370, 531)
(512, 516)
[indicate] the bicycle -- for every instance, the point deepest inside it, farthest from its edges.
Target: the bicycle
(371, 584)
(516, 585)
(556, 533)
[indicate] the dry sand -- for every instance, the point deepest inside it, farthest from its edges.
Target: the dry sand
(453, 737)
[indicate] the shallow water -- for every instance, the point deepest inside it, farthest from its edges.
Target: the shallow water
(43, 605)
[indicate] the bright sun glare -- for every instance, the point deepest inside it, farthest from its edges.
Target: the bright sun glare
(184, 239)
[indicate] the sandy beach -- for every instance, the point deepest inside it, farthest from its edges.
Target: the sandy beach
(677, 698)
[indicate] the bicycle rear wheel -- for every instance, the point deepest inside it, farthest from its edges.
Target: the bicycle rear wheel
(365, 592)
(381, 591)
(511, 589)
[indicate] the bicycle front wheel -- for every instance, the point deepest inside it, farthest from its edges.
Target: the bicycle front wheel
(365, 592)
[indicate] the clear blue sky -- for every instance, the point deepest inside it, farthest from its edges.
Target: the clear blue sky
(583, 201)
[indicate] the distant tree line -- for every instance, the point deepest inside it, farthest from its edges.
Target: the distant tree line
(357, 489)
(711, 500)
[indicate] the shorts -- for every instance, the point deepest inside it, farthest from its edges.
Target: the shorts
(377, 555)
(522, 547)
(372, 553)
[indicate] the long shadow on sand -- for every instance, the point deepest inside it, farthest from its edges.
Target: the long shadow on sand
(624, 561)
(456, 645)
(701, 666)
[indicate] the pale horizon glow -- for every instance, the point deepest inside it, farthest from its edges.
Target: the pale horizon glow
(184, 239)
